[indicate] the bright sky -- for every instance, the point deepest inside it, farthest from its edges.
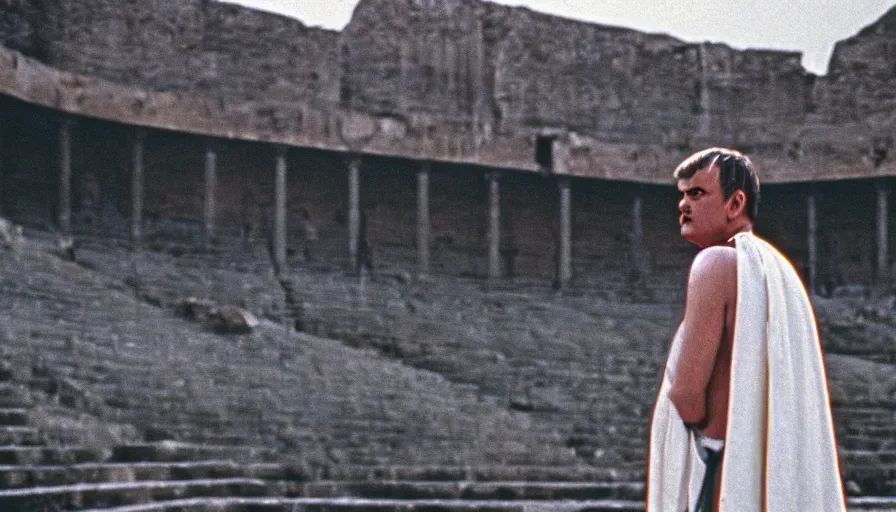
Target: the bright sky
(809, 26)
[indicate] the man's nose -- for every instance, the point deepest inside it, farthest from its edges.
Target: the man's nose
(682, 204)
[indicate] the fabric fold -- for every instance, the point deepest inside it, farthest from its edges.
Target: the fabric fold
(780, 451)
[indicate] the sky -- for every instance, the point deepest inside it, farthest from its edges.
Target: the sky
(809, 26)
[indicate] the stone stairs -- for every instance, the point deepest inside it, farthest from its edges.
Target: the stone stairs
(855, 329)
(179, 476)
(107, 495)
(523, 385)
(236, 391)
(36, 475)
(362, 505)
(493, 337)
(866, 437)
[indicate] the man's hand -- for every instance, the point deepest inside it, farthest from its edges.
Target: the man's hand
(712, 285)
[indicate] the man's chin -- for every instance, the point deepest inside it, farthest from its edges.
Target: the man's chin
(688, 234)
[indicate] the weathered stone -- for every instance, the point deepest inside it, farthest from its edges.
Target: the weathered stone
(550, 382)
(65, 245)
(860, 86)
(233, 320)
(462, 81)
(854, 291)
(225, 319)
(11, 235)
(192, 308)
(190, 46)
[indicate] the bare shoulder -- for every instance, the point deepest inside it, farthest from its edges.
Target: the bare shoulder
(716, 257)
(714, 268)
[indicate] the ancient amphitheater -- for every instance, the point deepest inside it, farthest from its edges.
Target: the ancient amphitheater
(453, 223)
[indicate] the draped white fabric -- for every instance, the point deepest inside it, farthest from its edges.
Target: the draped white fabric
(780, 452)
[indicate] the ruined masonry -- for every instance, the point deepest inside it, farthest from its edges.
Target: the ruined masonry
(475, 199)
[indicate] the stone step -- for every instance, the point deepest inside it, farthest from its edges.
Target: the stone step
(436, 473)
(877, 472)
(14, 417)
(868, 430)
(867, 442)
(367, 505)
(20, 436)
(459, 452)
(45, 455)
(869, 457)
(875, 415)
(12, 477)
(14, 396)
(418, 490)
(214, 436)
(172, 451)
(869, 504)
(872, 503)
(617, 430)
(872, 487)
(104, 495)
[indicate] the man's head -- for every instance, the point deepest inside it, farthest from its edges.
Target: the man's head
(719, 196)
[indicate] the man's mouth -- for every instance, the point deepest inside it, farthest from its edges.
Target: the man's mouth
(684, 220)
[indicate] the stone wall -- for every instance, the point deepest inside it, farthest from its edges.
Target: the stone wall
(547, 73)
(405, 56)
(859, 89)
(463, 82)
(515, 69)
(194, 46)
(860, 81)
(466, 81)
(18, 26)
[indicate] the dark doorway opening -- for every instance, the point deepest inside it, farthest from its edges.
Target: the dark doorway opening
(544, 153)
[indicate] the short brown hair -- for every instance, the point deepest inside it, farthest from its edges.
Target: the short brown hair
(736, 172)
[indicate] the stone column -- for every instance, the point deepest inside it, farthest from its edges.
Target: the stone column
(279, 234)
(137, 148)
(494, 225)
(564, 245)
(423, 223)
(883, 210)
(639, 251)
(812, 266)
(64, 221)
(209, 206)
(354, 212)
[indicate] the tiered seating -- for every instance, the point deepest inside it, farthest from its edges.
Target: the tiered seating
(177, 476)
(482, 387)
(38, 474)
(494, 337)
(247, 394)
(856, 328)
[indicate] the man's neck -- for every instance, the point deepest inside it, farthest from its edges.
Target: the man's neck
(746, 227)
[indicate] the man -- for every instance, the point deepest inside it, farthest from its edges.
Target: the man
(744, 385)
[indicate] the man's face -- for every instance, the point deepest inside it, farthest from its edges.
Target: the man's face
(703, 217)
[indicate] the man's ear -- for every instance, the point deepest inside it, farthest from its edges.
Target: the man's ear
(737, 203)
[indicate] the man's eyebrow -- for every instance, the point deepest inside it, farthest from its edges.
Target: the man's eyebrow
(692, 189)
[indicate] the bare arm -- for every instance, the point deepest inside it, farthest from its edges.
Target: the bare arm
(711, 286)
